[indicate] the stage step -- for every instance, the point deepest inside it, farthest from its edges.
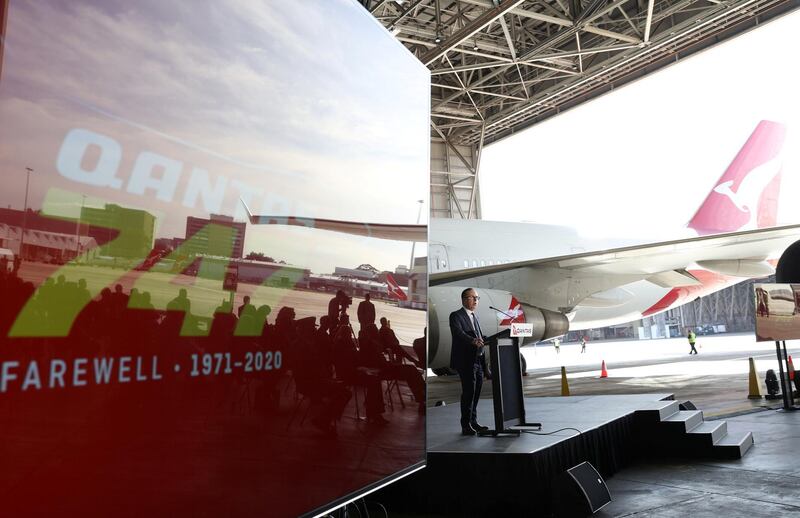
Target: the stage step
(684, 420)
(733, 446)
(708, 433)
(681, 433)
(657, 411)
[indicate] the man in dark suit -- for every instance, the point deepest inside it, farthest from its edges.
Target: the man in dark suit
(366, 312)
(467, 357)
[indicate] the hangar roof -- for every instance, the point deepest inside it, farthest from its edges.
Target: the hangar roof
(500, 66)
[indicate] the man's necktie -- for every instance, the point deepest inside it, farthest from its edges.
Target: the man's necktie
(476, 326)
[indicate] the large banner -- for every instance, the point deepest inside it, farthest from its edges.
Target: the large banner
(777, 312)
(160, 355)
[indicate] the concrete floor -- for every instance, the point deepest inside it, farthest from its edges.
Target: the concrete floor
(716, 380)
(766, 482)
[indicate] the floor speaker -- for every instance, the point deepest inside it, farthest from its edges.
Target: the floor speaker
(580, 491)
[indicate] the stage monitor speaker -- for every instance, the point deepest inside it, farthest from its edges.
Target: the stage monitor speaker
(580, 491)
(687, 405)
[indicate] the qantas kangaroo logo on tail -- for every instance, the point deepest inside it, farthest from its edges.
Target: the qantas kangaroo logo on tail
(746, 196)
(514, 310)
(394, 289)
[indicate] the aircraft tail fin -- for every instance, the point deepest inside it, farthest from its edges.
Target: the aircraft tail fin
(746, 195)
(394, 289)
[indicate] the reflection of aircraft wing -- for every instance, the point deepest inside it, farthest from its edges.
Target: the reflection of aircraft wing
(357, 228)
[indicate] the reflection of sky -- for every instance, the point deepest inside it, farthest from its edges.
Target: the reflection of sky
(328, 112)
(640, 160)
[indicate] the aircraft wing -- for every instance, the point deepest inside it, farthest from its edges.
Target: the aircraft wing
(662, 263)
(357, 228)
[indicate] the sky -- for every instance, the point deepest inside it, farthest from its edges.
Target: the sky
(639, 161)
(181, 108)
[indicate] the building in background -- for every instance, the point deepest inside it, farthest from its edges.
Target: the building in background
(216, 236)
(417, 285)
(120, 231)
(362, 271)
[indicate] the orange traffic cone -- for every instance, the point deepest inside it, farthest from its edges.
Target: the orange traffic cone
(791, 369)
(603, 371)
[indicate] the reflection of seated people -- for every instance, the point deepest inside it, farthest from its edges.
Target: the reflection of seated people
(390, 343)
(119, 299)
(246, 308)
(83, 296)
(262, 312)
(351, 370)
(371, 353)
(224, 307)
(179, 316)
(421, 350)
(224, 321)
(312, 375)
(249, 324)
(283, 335)
(325, 341)
(180, 303)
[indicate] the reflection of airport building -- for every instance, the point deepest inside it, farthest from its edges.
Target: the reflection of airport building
(417, 285)
(255, 272)
(364, 271)
(44, 246)
(351, 286)
(218, 235)
(122, 232)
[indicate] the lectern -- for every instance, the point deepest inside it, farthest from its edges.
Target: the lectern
(509, 403)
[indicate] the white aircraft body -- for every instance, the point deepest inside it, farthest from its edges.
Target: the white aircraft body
(554, 278)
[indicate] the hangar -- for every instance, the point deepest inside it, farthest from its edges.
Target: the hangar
(499, 67)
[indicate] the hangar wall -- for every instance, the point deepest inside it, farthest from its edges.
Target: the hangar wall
(454, 169)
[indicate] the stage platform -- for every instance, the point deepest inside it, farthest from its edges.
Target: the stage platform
(584, 413)
(481, 476)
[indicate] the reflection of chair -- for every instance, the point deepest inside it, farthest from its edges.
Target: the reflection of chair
(301, 397)
(359, 381)
(390, 385)
(356, 388)
(244, 402)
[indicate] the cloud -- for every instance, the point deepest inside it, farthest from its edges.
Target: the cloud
(334, 109)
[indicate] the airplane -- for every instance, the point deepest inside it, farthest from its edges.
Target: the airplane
(393, 289)
(559, 281)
